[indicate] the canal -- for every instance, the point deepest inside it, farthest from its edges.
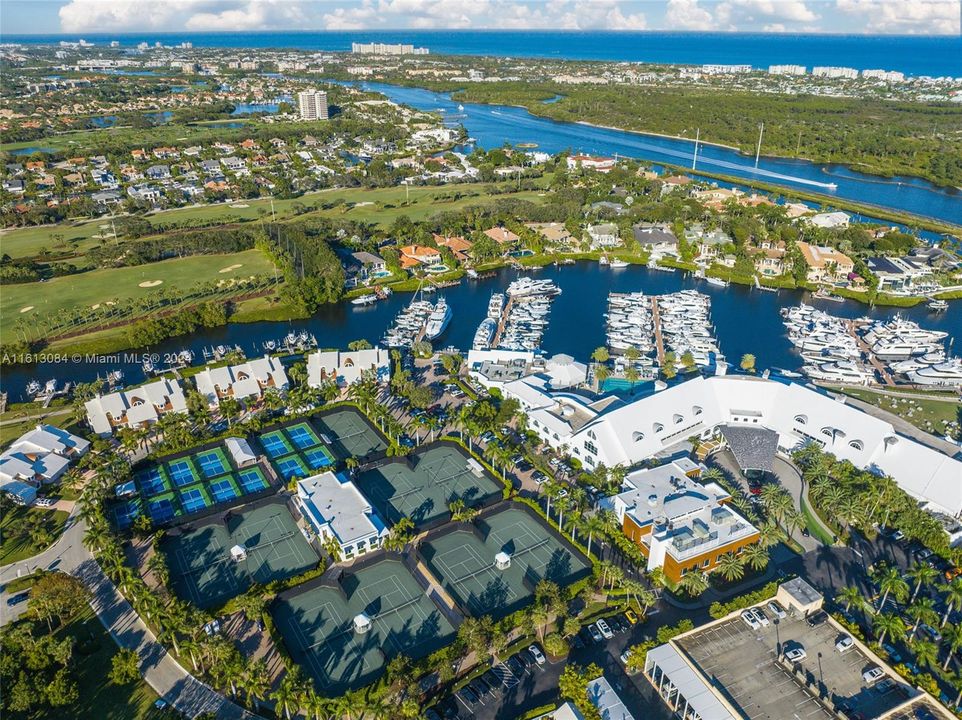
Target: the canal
(746, 321)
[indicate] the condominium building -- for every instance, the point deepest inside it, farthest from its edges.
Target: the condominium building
(312, 104)
(680, 524)
(887, 75)
(787, 70)
(387, 49)
(835, 72)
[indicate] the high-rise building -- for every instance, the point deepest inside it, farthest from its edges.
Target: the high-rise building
(835, 72)
(387, 49)
(786, 70)
(312, 104)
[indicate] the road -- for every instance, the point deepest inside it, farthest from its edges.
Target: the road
(168, 679)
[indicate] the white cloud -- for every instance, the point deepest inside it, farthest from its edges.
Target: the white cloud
(98, 15)
(937, 17)
(748, 14)
(687, 15)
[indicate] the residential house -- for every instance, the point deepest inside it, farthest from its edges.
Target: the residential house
(38, 457)
(139, 155)
(346, 368)
(146, 193)
(415, 255)
(825, 264)
(770, 259)
(830, 220)
(158, 172)
(554, 234)
(458, 245)
(501, 235)
(235, 164)
(656, 238)
(14, 186)
(900, 275)
(337, 512)
(604, 235)
(210, 167)
(709, 244)
(607, 208)
(135, 408)
(246, 381)
(590, 162)
(105, 198)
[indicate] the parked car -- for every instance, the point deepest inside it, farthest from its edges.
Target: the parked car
(749, 619)
(492, 680)
(576, 642)
(538, 477)
(605, 630)
(796, 654)
(18, 598)
(873, 675)
(775, 609)
(480, 687)
(844, 643)
(524, 657)
(631, 617)
(538, 655)
(596, 635)
(625, 656)
(885, 685)
(893, 654)
(816, 618)
(760, 616)
(44, 502)
(515, 665)
(930, 632)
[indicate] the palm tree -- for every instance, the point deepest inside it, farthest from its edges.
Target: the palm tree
(851, 596)
(712, 475)
(891, 582)
(922, 611)
(952, 640)
(769, 534)
(756, 556)
(730, 567)
(922, 574)
(593, 524)
(694, 582)
(926, 653)
(952, 594)
(400, 534)
(290, 693)
(255, 682)
(888, 624)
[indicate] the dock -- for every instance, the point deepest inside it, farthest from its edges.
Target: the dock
(656, 323)
(866, 351)
(502, 321)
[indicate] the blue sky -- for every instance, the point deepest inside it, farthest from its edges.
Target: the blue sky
(933, 17)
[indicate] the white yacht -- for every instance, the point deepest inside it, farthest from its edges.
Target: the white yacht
(846, 372)
(368, 299)
(948, 373)
(484, 334)
(438, 320)
(617, 264)
(496, 306)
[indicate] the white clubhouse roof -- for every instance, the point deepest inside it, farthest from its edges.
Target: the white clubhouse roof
(132, 408)
(39, 456)
(609, 704)
(691, 686)
(334, 505)
(346, 368)
(246, 380)
(240, 450)
(629, 433)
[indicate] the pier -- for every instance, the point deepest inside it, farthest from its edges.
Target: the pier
(866, 351)
(502, 321)
(659, 340)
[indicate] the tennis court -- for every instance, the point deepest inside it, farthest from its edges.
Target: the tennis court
(291, 466)
(350, 434)
(224, 489)
(152, 481)
(463, 561)
(194, 498)
(440, 475)
(318, 458)
(201, 567)
(317, 624)
(212, 462)
(251, 480)
(162, 508)
(182, 472)
(275, 444)
(302, 436)
(125, 512)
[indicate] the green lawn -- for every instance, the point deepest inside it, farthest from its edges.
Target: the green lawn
(13, 545)
(99, 699)
(78, 237)
(930, 414)
(101, 286)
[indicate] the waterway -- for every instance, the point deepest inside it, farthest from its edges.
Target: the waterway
(494, 125)
(746, 320)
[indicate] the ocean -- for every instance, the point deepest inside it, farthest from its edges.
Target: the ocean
(911, 54)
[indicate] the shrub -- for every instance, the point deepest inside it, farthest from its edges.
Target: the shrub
(555, 645)
(719, 610)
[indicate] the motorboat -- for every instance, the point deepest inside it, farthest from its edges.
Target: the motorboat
(368, 299)
(948, 373)
(717, 282)
(617, 264)
(496, 306)
(843, 372)
(937, 304)
(484, 334)
(438, 320)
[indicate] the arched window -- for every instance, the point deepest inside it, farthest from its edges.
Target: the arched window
(697, 410)
(856, 444)
(637, 436)
(801, 419)
(827, 431)
(657, 427)
(678, 419)
(591, 434)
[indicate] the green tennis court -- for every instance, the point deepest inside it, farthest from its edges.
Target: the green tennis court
(202, 570)
(350, 433)
(440, 475)
(317, 624)
(463, 561)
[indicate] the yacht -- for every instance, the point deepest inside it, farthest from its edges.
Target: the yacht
(496, 306)
(617, 264)
(438, 320)
(948, 373)
(717, 282)
(368, 299)
(484, 335)
(839, 372)
(938, 305)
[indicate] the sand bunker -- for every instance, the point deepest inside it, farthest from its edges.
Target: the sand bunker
(240, 206)
(28, 308)
(231, 268)
(95, 307)
(150, 283)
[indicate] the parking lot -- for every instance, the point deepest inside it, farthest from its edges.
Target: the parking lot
(745, 662)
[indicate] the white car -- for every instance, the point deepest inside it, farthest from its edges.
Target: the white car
(625, 656)
(844, 643)
(760, 616)
(537, 654)
(873, 675)
(605, 631)
(775, 609)
(749, 619)
(44, 502)
(796, 654)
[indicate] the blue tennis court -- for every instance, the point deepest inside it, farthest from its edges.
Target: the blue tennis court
(274, 444)
(251, 480)
(290, 467)
(125, 513)
(211, 463)
(302, 436)
(318, 458)
(192, 500)
(222, 490)
(161, 510)
(181, 473)
(151, 481)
